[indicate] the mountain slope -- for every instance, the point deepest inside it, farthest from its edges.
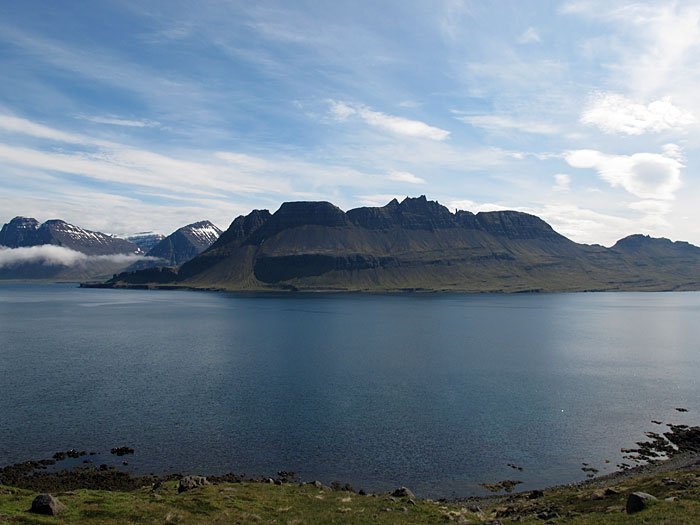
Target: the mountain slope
(417, 245)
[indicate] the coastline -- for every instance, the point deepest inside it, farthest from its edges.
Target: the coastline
(107, 495)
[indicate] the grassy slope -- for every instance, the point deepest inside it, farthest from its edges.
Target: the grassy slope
(299, 504)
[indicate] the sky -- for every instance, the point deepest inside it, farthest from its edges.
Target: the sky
(127, 116)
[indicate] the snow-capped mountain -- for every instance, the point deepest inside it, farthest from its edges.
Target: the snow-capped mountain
(145, 240)
(185, 243)
(24, 232)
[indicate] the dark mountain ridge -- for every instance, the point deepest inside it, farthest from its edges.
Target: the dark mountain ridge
(418, 244)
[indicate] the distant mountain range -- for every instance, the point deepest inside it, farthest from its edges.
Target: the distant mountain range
(418, 245)
(24, 232)
(56, 250)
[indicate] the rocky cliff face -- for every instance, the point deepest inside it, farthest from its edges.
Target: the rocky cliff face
(418, 244)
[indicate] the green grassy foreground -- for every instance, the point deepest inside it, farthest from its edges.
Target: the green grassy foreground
(292, 503)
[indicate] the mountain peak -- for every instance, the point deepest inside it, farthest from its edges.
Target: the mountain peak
(18, 232)
(639, 242)
(20, 220)
(415, 213)
(184, 243)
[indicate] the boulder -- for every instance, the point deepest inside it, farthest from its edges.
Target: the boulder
(638, 501)
(47, 504)
(403, 492)
(191, 482)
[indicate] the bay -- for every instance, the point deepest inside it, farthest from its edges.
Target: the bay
(434, 392)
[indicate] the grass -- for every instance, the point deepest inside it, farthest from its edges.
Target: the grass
(295, 504)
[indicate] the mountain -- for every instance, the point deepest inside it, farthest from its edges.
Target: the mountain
(418, 244)
(23, 232)
(181, 245)
(60, 251)
(145, 240)
(186, 242)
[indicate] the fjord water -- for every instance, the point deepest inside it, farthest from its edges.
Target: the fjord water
(435, 392)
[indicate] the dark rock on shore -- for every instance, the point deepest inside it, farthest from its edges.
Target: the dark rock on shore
(638, 501)
(47, 504)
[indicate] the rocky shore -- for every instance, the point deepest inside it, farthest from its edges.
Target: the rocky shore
(664, 486)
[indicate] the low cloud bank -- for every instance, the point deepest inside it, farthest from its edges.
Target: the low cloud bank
(51, 255)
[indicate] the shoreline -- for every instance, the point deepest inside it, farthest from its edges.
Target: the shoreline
(43, 475)
(666, 489)
(286, 499)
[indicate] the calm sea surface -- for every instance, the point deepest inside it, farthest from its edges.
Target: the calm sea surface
(435, 392)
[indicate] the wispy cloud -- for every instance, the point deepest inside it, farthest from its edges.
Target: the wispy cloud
(405, 176)
(529, 35)
(12, 124)
(394, 124)
(116, 121)
(500, 123)
(656, 44)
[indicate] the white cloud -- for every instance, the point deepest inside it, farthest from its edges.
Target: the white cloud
(529, 35)
(505, 123)
(474, 207)
(646, 175)
(405, 176)
(562, 182)
(398, 125)
(402, 126)
(615, 113)
(60, 256)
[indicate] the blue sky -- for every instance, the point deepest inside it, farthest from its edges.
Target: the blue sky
(129, 116)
